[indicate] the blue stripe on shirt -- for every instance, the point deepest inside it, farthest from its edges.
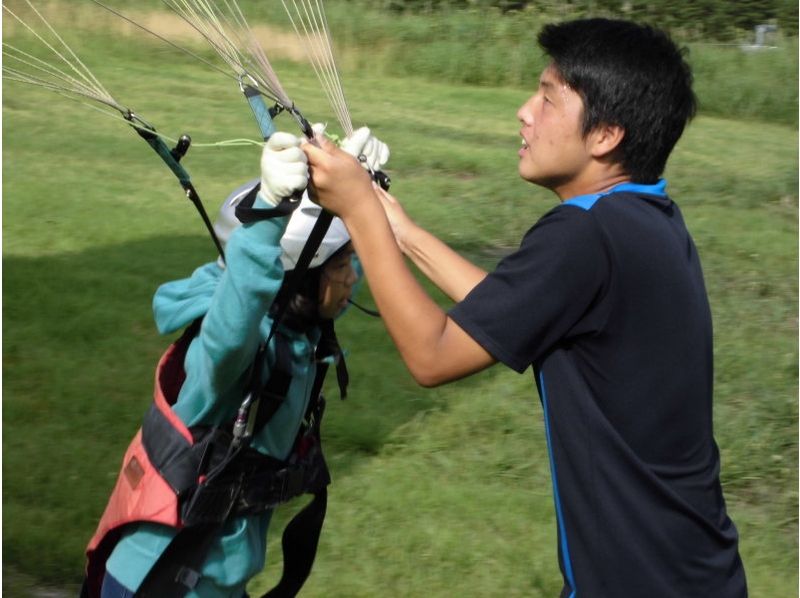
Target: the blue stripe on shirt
(586, 202)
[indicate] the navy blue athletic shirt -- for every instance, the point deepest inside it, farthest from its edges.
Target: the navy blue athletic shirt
(605, 298)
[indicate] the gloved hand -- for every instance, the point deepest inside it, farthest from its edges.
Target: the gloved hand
(363, 143)
(284, 168)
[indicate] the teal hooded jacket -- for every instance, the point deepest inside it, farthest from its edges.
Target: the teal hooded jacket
(234, 302)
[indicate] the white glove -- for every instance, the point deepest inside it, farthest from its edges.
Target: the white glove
(284, 168)
(362, 143)
(319, 129)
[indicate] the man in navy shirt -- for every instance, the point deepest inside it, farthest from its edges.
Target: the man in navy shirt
(604, 299)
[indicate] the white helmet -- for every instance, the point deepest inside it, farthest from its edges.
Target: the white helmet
(297, 231)
(227, 221)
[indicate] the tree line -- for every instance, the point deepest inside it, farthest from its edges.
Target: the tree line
(720, 20)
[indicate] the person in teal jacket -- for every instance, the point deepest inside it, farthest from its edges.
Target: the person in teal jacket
(235, 298)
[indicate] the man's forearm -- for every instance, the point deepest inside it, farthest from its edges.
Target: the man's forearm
(452, 273)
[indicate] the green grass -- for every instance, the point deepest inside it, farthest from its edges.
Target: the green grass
(439, 492)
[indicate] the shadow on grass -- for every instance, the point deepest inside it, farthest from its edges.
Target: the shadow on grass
(79, 352)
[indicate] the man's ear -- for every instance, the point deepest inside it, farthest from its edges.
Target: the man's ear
(604, 139)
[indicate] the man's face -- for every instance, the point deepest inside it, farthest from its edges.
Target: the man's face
(553, 150)
(336, 284)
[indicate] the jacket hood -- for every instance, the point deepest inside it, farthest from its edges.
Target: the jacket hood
(178, 303)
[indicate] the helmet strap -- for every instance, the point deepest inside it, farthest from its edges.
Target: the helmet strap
(246, 213)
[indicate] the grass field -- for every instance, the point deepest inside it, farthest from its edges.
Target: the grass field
(439, 492)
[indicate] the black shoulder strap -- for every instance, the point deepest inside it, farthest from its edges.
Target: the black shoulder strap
(313, 242)
(276, 388)
(246, 213)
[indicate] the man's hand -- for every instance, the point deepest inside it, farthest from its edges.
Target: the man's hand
(402, 225)
(341, 184)
(370, 151)
(284, 168)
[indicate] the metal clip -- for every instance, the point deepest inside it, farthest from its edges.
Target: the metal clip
(240, 425)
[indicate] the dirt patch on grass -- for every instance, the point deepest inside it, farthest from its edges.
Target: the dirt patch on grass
(276, 43)
(69, 18)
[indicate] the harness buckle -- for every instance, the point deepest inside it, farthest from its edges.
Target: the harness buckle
(188, 577)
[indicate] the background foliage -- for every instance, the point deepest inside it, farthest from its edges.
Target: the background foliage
(712, 19)
(437, 492)
(489, 47)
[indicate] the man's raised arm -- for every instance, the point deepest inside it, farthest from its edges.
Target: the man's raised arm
(434, 348)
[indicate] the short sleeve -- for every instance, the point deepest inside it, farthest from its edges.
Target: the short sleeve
(548, 290)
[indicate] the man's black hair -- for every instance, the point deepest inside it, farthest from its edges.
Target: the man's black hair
(628, 75)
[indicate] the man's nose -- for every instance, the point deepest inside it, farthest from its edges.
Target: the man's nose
(525, 113)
